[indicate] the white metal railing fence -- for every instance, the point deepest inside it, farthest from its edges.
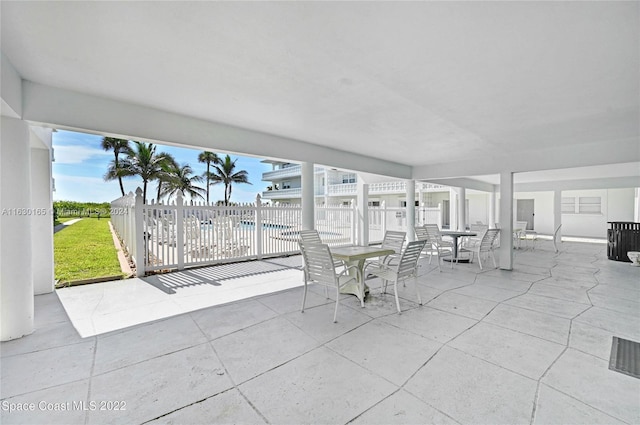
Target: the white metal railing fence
(178, 235)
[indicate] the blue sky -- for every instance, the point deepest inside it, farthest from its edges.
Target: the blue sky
(80, 164)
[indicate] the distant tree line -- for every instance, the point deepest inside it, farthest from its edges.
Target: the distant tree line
(62, 209)
(142, 160)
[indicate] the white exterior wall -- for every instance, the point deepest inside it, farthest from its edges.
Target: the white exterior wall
(616, 205)
(542, 208)
(478, 207)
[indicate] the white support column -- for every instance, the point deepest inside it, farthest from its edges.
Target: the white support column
(492, 210)
(636, 206)
(453, 208)
(557, 211)
(363, 212)
(41, 221)
(16, 278)
(506, 220)
(411, 210)
(462, 208)
(308, 197)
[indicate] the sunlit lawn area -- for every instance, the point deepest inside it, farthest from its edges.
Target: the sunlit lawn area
(85, 250)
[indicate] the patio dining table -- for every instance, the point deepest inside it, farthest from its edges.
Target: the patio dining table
(455, 234)
(356, 256)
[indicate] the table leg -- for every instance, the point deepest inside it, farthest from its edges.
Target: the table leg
(358, 289)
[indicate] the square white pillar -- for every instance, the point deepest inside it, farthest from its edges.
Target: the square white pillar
(308, 197)
(16, 278)
(506, 220)
(41, 221)
(362, 205)
(411, 210)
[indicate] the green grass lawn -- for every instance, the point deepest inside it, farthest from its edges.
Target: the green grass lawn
(85, 250)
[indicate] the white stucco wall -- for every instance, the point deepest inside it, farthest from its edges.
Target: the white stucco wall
(542, 208)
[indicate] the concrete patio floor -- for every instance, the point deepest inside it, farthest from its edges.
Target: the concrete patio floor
(492, 347)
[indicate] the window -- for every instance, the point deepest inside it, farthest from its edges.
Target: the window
(582, 205)
(568, 205)
(286, 185)
(403, 204)
(348, 178)
(374, 203)
(589, 205)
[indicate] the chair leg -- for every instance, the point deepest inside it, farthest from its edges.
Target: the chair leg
(480, 259)
(395, 289)
(335, 313)
(326, 292)
(415, 282)
(493, 257)
(304, 296)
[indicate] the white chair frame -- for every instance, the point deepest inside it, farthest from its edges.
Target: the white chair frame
(406, 268)
(319, 268)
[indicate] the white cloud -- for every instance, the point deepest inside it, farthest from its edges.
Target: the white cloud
(78, 154)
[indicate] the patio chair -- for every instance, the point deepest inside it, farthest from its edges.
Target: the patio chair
(405, 268)
(557, 241)
(423, 235)
(472, 241)
(319, 268)
(392, 240)
(486, 246)
(519, 233)
(441, 248)
(312, 236)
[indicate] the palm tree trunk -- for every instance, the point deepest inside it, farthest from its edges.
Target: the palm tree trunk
(144, 191)
(121, 186)
(208, 164)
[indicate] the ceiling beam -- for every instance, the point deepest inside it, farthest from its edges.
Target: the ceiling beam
(466, 183)
(583, 184)
(65, 109)
(602, 153)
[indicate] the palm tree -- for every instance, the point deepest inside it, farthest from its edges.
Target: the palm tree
(208, 158)
(116, 170)
(225, 173)
(143, 161)
(165, 174)
(180, 180)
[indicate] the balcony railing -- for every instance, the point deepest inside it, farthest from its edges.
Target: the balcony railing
(283, 173)
(295, 192)
(287, 172)
(349, 189)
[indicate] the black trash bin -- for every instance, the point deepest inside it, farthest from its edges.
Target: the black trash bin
(622, 236)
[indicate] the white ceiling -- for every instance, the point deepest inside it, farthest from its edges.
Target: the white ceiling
(416, 83)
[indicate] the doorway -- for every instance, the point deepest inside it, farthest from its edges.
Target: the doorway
(525, 212)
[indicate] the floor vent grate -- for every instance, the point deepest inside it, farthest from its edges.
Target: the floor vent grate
(625, 357)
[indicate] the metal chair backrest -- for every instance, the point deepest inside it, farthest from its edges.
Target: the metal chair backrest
(409, 260)
(421, 233)
(393, 240)
(434, 234)
(488, 239)
(318, 263)
(480, 229)
(310, 236)
(555, 237)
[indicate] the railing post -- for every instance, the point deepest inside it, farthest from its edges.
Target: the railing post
(384, 217)
(180, 229)
(258, 226)
(354, 222)
(139, 236)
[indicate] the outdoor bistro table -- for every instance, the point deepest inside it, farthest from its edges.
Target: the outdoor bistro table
(455, 234)
(355, 256)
